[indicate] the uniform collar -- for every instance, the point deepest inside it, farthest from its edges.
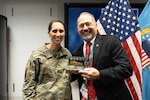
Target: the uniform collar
(56, 54)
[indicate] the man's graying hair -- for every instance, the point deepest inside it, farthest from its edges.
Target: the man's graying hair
(87, 13)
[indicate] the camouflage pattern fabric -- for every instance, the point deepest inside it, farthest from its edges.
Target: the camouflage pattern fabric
(45, 76)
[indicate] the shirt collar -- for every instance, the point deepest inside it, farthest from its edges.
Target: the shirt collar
(92, 41)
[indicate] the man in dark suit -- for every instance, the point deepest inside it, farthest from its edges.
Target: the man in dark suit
(110, 64)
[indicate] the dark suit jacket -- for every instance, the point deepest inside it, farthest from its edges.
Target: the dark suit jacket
(112, 62)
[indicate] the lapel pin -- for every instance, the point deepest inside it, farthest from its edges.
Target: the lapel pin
(97, 45)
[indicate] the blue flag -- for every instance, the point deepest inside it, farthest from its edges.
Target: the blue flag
(144, 21)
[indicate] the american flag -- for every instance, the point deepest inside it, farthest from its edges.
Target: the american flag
(118, 18)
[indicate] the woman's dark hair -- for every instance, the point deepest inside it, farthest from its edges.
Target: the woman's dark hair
(53, 21)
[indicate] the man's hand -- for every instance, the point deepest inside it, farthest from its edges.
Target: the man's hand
(90, 73)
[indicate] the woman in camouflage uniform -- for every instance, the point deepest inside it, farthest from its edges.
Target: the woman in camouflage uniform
(45, 76)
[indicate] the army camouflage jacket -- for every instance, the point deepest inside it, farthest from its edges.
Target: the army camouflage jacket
(45, 76)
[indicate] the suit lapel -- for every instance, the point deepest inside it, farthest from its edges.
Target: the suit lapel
(97, 46)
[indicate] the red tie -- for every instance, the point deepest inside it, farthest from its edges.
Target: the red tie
(88, 50)
(91, 90)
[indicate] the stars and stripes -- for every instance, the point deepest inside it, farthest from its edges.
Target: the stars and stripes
(118, 19)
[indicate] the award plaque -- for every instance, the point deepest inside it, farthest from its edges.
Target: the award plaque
(77, 63)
